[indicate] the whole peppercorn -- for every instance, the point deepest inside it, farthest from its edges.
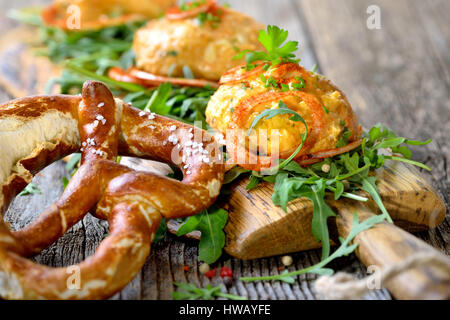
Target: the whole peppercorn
(286, 260)
(326, 167)
(204, 268)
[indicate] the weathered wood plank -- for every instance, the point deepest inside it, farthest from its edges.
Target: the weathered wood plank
(397, 75)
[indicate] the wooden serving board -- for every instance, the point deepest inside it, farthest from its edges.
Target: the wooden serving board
(257, 228)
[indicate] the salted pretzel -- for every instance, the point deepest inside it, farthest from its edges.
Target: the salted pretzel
(36, 131)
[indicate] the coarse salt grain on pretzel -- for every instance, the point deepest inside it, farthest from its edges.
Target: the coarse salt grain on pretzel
(36, 131)
(244, 94)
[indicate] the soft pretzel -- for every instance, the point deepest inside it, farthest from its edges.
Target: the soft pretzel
(36, 131)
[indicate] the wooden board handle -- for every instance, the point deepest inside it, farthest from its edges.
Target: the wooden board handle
(384, 245)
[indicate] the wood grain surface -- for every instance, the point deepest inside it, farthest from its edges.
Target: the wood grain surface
(257, 228)
(398, 75)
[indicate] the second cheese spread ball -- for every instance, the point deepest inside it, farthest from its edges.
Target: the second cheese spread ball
(204, 39)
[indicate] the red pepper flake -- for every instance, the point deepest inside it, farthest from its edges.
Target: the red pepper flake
(186, 268)
(226, 272)
(211, 273)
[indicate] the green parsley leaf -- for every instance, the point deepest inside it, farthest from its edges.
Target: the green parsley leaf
(277, 50)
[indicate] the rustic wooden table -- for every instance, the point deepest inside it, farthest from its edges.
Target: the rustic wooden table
(398, 75)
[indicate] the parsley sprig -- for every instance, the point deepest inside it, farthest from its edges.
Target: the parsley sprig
(277, 50)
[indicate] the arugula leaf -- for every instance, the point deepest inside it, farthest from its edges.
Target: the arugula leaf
(294, 167)
(380, 137)
(157, 102)
(286, 278)
(65, 182)
(418, 164)
(161, 232)
(75, 158)
(131, 87)
(339, 190)
(71, 167)
(287, 189)
(210, 223)
(188, 291)
(31, 188)
(417, 142)
(29, 16)
(367, 183)
(233, 174)
(321, 212)
(343, 140)
(253, 183)
(270, 113)
(187, 72)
